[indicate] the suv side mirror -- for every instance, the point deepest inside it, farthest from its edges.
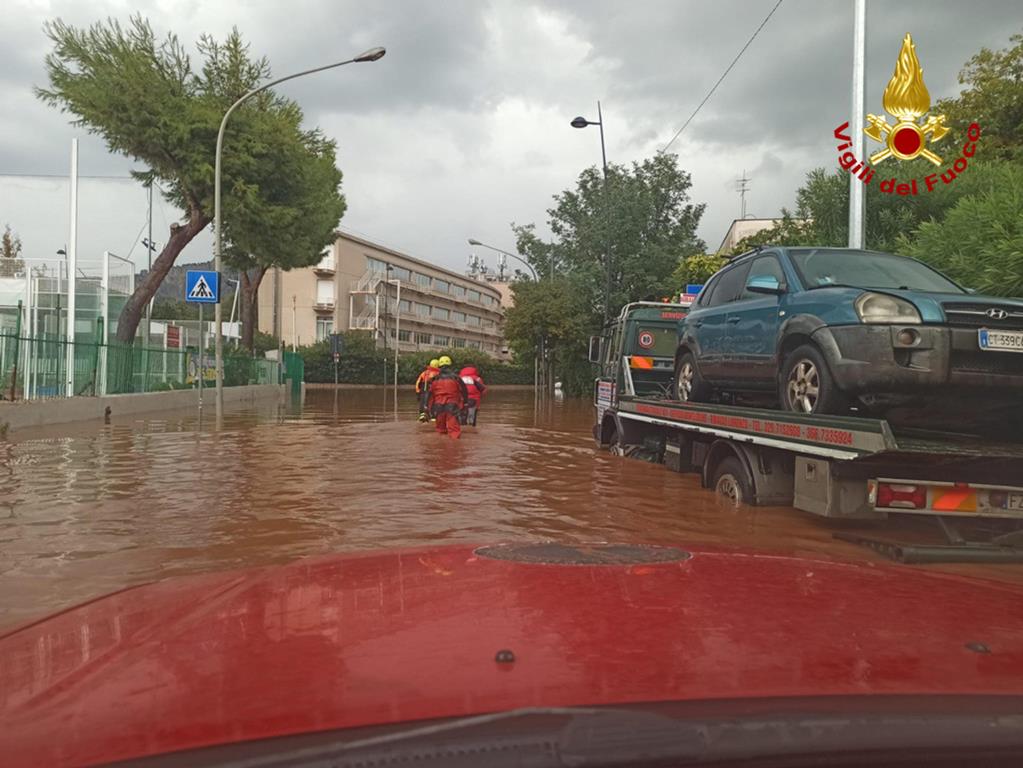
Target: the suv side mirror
(595, 349)
(765, 284)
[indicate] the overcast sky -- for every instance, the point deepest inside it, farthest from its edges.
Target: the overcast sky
(464, 126)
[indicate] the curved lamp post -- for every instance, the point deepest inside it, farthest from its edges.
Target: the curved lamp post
(582, 122)
(371, 55)
(473, 241)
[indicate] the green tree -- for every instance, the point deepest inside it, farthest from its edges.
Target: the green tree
(11, 263)
(979, 242)
(645, 222)
(144, 98)
(549, 320)
(993, 98)
(696, 269)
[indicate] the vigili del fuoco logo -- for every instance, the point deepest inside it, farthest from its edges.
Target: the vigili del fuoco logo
(907, 100)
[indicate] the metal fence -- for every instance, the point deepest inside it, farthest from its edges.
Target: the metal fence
(37, 367)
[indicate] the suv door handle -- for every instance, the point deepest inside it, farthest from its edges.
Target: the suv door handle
(733, 319)
(698, 323)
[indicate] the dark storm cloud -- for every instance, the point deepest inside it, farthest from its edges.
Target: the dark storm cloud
(463, 126)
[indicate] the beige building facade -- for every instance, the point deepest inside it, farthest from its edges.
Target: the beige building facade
(356, 287)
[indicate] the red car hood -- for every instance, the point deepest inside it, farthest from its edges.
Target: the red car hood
(402, 635)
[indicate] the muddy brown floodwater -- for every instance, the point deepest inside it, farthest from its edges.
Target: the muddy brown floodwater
(90, 508)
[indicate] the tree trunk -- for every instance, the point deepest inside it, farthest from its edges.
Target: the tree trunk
(180, 236)
(250, 306)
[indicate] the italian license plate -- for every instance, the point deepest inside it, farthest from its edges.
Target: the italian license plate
(1000, 341)
(1014, 501)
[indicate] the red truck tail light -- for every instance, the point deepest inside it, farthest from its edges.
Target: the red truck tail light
(896, 496)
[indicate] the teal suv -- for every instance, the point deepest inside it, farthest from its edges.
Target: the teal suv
(817, 330)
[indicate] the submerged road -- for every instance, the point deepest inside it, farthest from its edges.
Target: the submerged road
(90, 508)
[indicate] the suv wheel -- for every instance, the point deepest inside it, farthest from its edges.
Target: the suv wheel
(689, 386)
(806, 385)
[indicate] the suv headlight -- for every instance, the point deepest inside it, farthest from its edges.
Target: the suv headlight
(882, 308)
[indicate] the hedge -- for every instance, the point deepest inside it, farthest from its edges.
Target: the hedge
(368, 367)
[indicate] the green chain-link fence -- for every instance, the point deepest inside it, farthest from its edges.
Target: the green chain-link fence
(37, 367)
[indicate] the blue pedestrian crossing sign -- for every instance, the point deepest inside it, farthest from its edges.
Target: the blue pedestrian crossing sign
(202, 286)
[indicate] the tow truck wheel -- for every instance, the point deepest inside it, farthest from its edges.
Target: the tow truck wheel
(732, 483)
(688, 383)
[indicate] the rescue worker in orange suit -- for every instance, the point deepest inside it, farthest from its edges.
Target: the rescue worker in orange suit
(423, 387)
(448, 396)
(475, 386)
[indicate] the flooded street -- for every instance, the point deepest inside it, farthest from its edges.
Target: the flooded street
(89, 508)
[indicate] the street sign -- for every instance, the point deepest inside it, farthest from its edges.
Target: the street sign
(693, 288)
(173, 337)
(202, 286)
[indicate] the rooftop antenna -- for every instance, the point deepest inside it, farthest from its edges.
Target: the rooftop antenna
(742, 187)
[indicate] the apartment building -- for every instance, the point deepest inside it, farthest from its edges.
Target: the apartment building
(356, 286)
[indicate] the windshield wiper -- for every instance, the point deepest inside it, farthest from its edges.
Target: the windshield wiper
(836, 285)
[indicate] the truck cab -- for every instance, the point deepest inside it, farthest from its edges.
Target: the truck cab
(636, 353)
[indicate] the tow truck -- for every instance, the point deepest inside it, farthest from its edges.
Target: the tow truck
(840, 467)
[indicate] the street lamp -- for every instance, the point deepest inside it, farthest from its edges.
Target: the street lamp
(473, 241)
(373, 54)
(582, 122)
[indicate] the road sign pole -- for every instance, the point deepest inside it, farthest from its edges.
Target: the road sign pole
(202, 350)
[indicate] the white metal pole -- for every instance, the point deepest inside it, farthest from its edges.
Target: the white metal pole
(104, 311)
(397, 340)
(72, 270)
(856, 187)
(294, 323)
(234, 306)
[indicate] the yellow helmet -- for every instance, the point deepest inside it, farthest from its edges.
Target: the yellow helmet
(443, 361)
(435, 363)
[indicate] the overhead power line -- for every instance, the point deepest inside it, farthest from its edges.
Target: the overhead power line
(723, 76)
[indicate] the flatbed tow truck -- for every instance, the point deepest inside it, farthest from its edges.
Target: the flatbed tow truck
(840, 467)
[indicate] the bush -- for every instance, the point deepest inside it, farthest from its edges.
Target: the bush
(362, 364)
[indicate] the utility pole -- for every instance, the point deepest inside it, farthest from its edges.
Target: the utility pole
(857, 187)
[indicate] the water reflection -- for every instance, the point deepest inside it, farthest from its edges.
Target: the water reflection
(90, 508)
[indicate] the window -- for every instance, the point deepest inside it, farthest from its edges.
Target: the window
(474, 296)
(458, 317)
(473, 320)
(401, 274)
(406, 306)
(440, 341)
(375, 265)
(488, 323)
(441, 314)
(422, 338)
(820, 267)
(441, 285)
(458, 290)
(421, 279)
(473, 345)
(404, 335)
(729, 285)
(488, 299)
(324, 327)
(423, 310)
(324, 291)
(459, 343)
(765, 265)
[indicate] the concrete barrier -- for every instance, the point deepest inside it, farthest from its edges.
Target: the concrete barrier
(38, 413)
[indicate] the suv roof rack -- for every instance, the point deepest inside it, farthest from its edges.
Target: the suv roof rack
(755, 249)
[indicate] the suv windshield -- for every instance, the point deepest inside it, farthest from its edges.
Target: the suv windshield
(821, 267)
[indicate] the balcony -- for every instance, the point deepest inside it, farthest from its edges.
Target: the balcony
(326, 265)
(324, 305)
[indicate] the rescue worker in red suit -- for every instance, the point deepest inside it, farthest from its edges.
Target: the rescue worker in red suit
(475, 386)
(448, 396)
